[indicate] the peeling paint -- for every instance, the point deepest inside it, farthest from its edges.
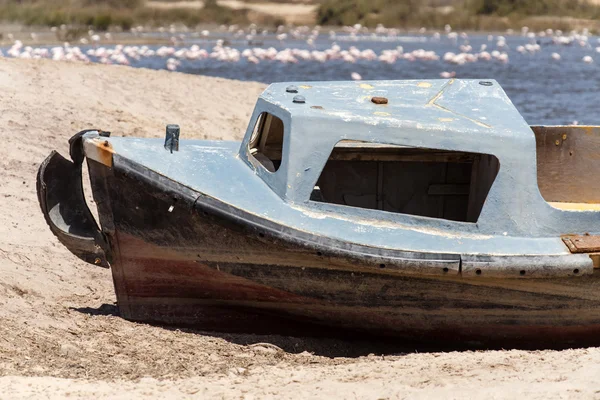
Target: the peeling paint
(463, 116)
(378, 223)
(439, 94)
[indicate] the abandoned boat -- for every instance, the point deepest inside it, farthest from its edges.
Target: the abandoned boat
(415, 209)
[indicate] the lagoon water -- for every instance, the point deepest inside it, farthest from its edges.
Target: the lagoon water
(546, 91)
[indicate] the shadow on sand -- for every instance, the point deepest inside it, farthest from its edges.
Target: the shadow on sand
(327, 342)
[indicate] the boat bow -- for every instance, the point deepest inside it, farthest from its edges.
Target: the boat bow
(61, 197)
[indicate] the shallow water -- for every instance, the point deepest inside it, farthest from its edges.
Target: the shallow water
(544, 90)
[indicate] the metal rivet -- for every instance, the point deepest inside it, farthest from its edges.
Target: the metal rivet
(564, 136)
(291, 89)
(485, 83)
(299, 99)
(557, 142)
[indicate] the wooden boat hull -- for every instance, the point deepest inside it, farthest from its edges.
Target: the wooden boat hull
(202, 266)
(179, 257)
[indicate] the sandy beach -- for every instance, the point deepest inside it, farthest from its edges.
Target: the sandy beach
(60, 332)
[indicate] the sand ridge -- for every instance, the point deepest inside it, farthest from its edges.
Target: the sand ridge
(60, 332)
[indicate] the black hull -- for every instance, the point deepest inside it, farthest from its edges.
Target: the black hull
(181, 258)
(203, 265)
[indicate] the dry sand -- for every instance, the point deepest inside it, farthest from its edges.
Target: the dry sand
(60, 333)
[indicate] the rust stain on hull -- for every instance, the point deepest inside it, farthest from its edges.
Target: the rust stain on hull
(582, 243)
(99, 149)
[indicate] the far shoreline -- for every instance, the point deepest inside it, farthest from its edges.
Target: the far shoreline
(39, 36)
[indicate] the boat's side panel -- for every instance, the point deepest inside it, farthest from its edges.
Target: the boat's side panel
(180, 260)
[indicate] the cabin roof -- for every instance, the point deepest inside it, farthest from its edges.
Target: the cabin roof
(474, 116)
(469, 105)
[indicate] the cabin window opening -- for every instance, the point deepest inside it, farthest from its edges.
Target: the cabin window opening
(266, 142)
(451, 185)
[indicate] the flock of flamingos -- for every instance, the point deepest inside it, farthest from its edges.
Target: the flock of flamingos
(91, 48)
